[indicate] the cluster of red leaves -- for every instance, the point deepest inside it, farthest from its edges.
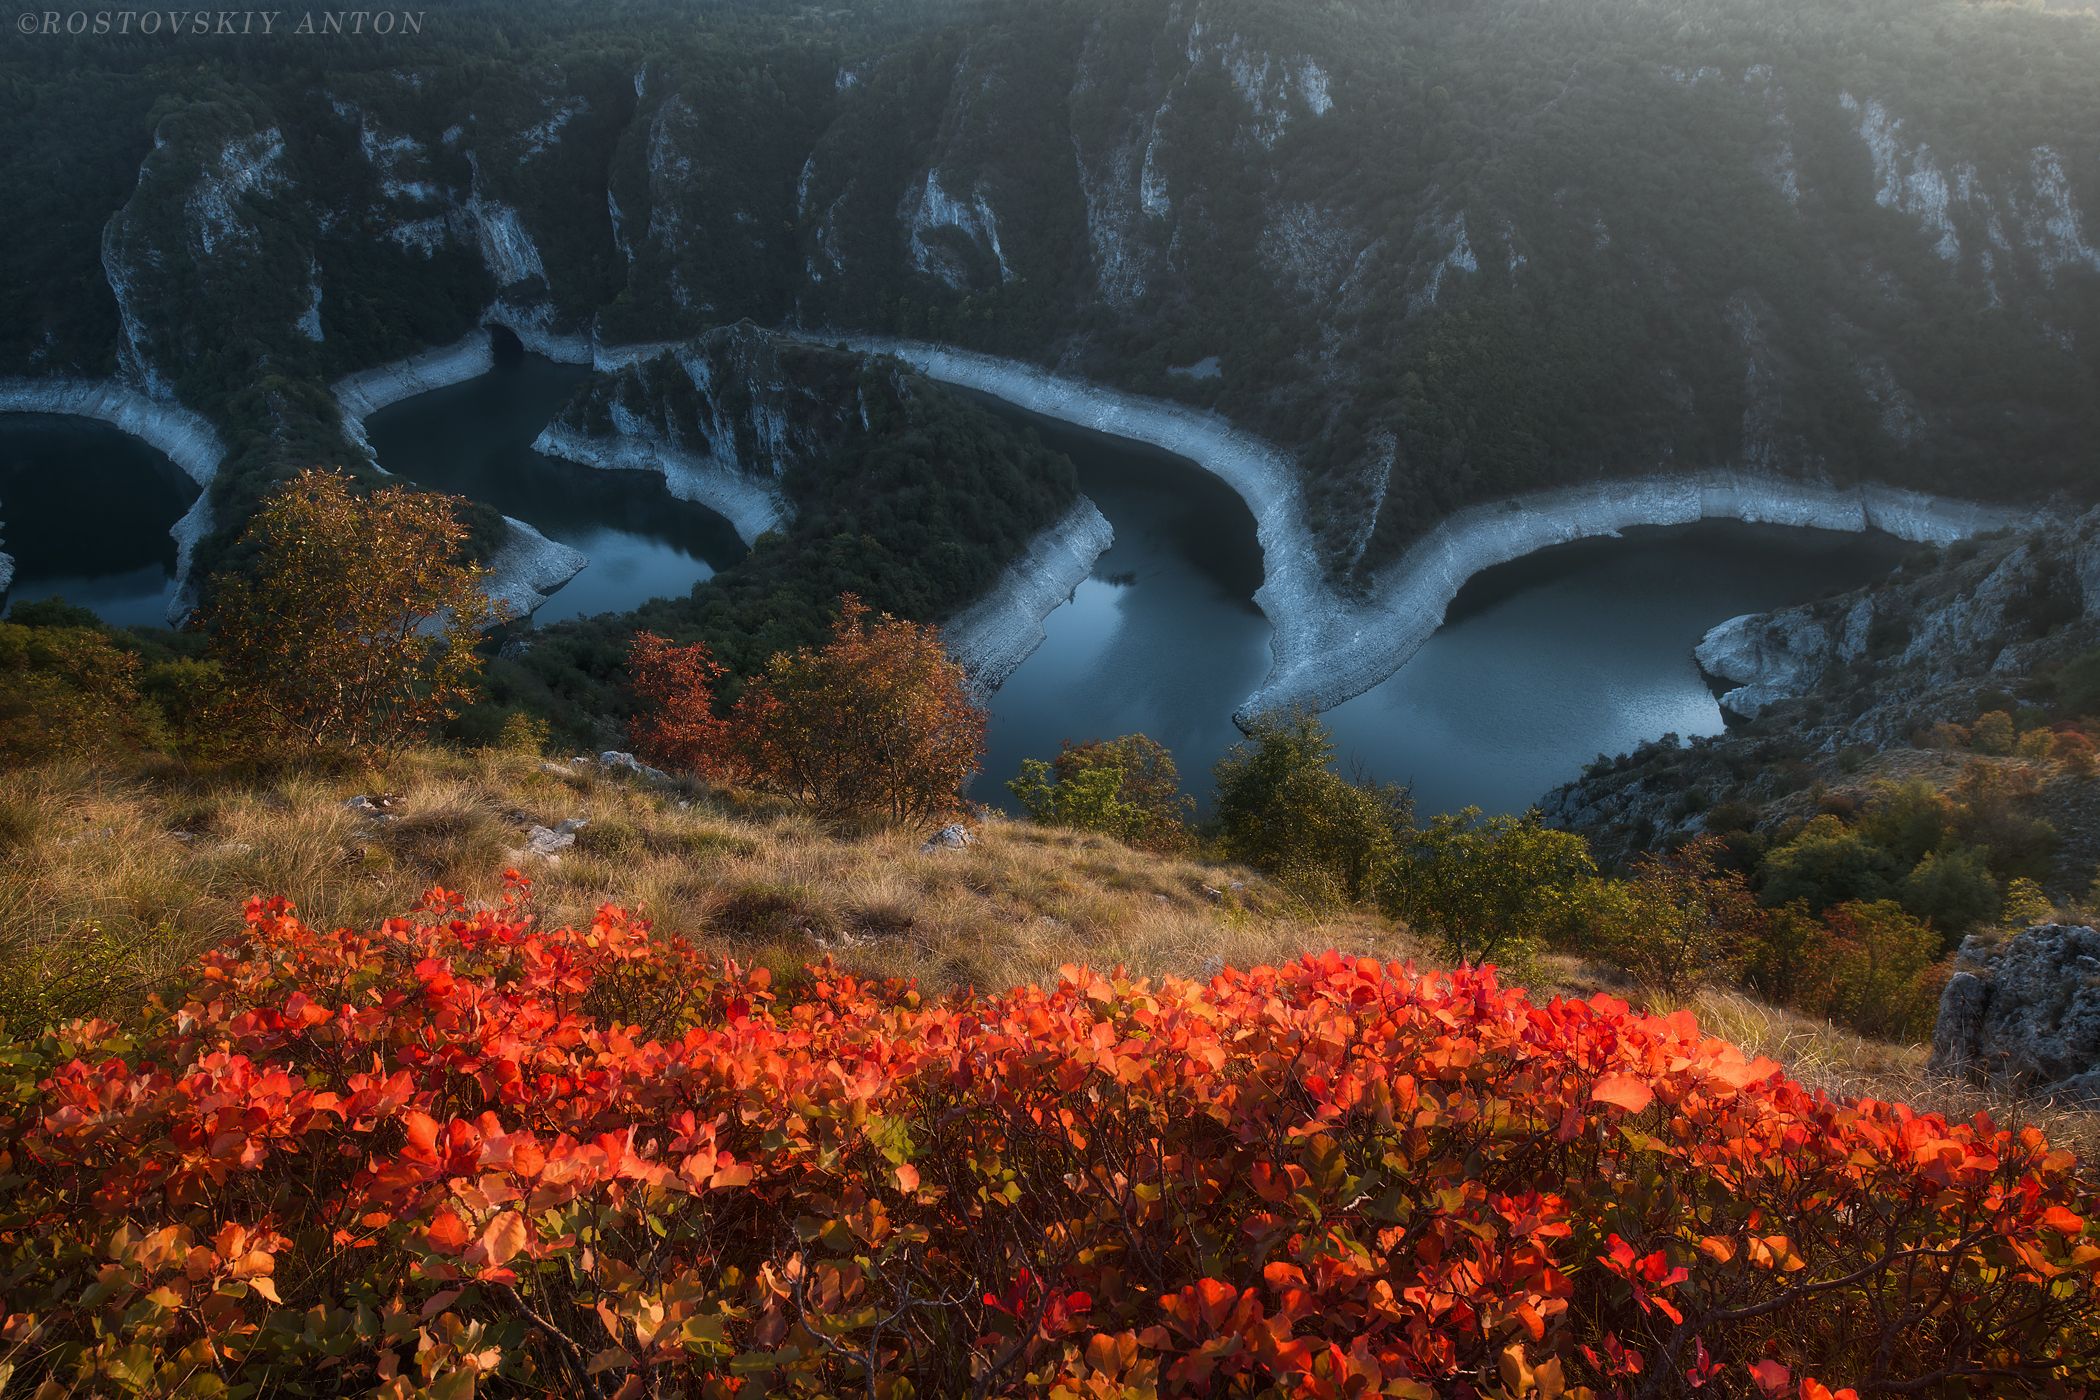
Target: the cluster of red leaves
(460, 1150)
(878, 722)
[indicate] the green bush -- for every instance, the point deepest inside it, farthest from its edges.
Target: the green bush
(1826, 863)
(1953, 889)
(1488, 888)
(1128, 788)
(1283, 809)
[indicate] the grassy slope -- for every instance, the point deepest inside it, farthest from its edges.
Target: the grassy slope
(108, 882)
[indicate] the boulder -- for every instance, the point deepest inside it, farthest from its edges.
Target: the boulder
(1766, 657)
(614, 761)
(2026, 1015)
(952, 837)
(547, 841)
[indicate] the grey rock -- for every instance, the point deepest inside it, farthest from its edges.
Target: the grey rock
(1766, 657)
(2029, 1020)
(952, 837)
(615, 761)
(549, 841)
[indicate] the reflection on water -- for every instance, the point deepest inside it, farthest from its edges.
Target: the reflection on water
(475, 440)
(1163, 630)
(1543, 664)
(85, 511)
(1584, 649)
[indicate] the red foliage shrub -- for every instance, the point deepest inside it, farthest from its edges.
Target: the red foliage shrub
(459, 1151)
(878, 722)
(675, 725)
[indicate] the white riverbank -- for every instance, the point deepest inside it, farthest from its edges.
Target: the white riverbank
(528, 568)
(995, 634)
(188, 439)
(366, 392)
(1325, 647)
(751, 506)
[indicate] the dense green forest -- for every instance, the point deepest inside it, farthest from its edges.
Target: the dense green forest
(1442, 251)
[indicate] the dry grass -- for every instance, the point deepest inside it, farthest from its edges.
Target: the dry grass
(108, 883)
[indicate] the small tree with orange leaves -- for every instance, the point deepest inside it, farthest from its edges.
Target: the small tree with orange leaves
(675, 725)
(878, 722)
(357, 623)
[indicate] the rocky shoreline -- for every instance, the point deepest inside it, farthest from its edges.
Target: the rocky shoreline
(994, 635)
(1327, 647)
(745, 503)
(528, 567)
(188, 439)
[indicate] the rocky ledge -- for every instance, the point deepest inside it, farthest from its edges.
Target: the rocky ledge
(528, 568)
(2025, 1015)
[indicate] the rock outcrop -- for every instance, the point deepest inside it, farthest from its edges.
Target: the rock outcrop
(2026, 1014)
(723, 418)
(1948, 636)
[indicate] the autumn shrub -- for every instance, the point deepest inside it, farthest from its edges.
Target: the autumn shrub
(675, 726)
(460, 1154)
(1875, 968)
(354, 622)
(1680, 922)
(876, 723)
(1993, 733)
(1128, 788)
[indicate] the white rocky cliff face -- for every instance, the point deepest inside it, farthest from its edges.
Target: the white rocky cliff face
(721, 418)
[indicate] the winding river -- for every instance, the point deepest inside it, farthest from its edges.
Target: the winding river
(1541, 664)
(475, 440)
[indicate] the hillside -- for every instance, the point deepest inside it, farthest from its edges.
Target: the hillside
(470, 1149)
(1438, 253)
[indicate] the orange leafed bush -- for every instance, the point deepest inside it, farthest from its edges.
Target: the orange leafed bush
(459, 1152)
(676, 726)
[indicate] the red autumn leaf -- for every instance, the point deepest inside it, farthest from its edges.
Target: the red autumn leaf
(1623, 1091)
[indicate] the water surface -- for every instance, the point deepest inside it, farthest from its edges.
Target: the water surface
(85, 511)
(1583, 649)
(475, 440)
(1542, 664)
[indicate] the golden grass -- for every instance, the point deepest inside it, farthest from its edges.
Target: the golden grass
(109, 882)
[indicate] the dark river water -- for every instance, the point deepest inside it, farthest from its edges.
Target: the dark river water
(475, 439)
(85, 511)
(1543, 664)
